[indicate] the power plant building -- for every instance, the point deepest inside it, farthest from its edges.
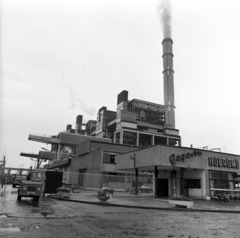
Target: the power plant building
(140, 139)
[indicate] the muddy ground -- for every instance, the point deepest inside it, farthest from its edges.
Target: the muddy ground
(103, 221)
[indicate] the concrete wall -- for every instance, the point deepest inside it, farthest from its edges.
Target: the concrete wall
(66, 173)
(112, 147)
(144, 158)
(84, 147)
(111, 168)
(91, 162)
(91, 145)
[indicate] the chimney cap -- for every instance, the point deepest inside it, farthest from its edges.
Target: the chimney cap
(167, 39)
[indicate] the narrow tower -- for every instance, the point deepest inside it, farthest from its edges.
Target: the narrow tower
(78, 128)
(168, 83)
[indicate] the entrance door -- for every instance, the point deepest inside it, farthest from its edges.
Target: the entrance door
(81, 176)
(162, 187)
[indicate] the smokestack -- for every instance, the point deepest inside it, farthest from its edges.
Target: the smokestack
(168, 83)
(78, 127)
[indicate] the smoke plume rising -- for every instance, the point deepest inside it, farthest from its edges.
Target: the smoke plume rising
(164, 13)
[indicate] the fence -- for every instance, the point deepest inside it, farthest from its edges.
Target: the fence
(123, 182)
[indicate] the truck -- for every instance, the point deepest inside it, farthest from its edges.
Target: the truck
(17, 179)
(33, 186)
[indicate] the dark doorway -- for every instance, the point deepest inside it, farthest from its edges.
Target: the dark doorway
(161, 187)
(53, 181)
(81, 176)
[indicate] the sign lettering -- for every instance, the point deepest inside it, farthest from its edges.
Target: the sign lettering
(177, 158)
(221, 162)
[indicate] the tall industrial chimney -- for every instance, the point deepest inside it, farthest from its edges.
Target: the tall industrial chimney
(168, 83)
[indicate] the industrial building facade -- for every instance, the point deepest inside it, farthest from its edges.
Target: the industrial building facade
(193, 172)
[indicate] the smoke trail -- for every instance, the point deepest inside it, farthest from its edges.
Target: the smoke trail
(164, 13)
(77, 103)
(73, 98)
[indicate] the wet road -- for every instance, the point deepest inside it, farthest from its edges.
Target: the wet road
(10, 205)
(45, 207)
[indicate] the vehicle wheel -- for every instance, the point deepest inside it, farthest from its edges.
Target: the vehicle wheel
(13, 186)
(19, 198)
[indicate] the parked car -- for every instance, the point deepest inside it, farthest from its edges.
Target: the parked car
(17, 179)
(33, 187)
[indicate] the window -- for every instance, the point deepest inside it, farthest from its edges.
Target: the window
(215, 183)
(129, 138)
(193, 183)
(109, 159)
(237, 185)
(215, 175)
(129, 177)
(36, 176)
(173, 142)
(223, 180)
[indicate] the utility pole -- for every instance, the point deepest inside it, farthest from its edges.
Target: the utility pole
(136, 172)
(2, 166)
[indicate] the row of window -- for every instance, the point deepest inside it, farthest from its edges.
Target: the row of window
(224, 180)
(145, 140)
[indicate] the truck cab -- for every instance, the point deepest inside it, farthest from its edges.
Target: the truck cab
(33, 186)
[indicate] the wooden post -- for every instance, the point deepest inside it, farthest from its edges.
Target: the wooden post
(136, 181)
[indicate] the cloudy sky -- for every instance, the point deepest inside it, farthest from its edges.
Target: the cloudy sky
(62, 58)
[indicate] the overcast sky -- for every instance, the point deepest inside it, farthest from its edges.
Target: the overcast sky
(62, 58)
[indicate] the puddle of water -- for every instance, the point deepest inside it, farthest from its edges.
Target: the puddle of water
(10, 229)
(46, 213)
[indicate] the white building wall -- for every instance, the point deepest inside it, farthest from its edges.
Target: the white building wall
(194, 192)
